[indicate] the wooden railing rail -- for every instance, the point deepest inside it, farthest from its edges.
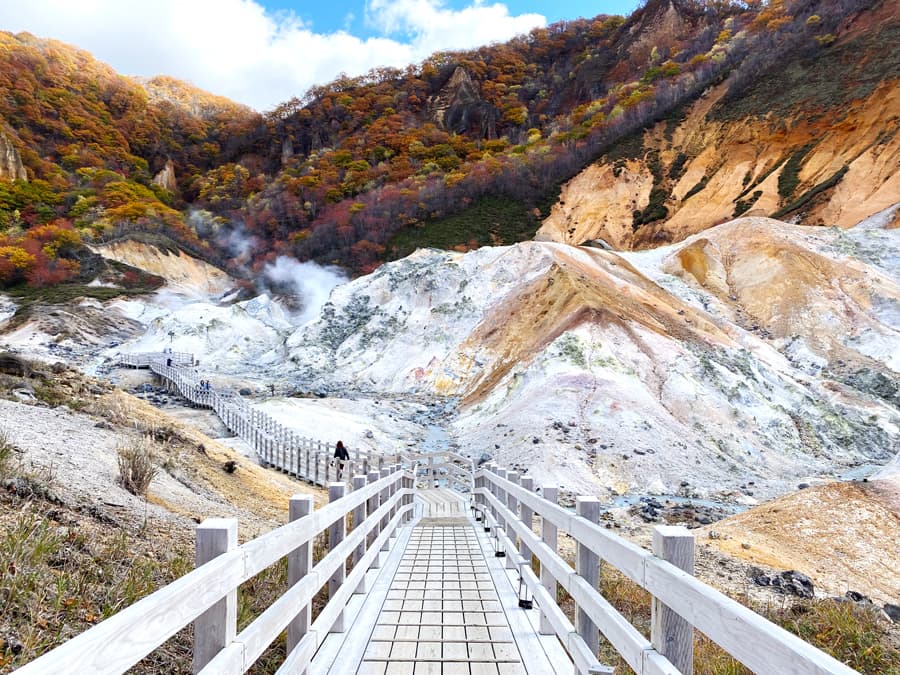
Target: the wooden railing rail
(757, 643)
(206, 596)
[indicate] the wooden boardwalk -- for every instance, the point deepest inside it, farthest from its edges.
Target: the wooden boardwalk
(443, 605)
(275, 445)
(438, 600)
(442, 503)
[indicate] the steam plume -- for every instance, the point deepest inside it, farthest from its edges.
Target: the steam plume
(307, 281)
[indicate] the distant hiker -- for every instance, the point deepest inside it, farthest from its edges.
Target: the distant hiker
(340, 452)
(169, 362)
(272, 387)
(340, 455)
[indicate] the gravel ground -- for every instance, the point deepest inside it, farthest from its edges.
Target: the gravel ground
(76, 459)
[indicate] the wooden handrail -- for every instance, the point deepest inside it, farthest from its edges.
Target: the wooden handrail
(125, 638)
(379, 507)
(754, 641)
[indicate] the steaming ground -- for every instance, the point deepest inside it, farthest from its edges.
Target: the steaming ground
(239, 345)
(679, 372)
(310, 284)
(602, 373)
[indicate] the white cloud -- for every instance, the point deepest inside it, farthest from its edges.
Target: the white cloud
(237, 49)
(432, 27)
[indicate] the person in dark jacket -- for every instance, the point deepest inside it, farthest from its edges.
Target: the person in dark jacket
(340, 452)
(340, 455)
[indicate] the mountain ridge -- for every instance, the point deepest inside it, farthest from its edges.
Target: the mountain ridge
(467, 148)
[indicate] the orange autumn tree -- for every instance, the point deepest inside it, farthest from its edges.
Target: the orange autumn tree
(41, 255)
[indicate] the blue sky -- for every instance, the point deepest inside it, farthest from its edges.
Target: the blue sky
(263, 52)
(332, 16)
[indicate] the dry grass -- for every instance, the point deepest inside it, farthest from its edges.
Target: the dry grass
(137, 465)
(63, 572)
(124, 410)
(6, 454)
(117, 407)
(853, 634)
(65, 568)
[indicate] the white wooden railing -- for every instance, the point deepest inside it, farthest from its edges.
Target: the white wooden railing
(443, 468)
(507, 504)
(275, 445)
(207, 596)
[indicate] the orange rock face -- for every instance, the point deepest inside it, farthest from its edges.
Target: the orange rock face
(835, 169)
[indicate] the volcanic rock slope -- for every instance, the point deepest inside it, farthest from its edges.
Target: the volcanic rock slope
(731, 365)
(813, 140)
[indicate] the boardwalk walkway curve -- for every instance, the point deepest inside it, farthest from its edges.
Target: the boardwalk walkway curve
(437, 580)
(275, 445)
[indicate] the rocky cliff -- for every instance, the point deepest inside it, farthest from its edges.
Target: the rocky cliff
(11, 167)
(815, 143)
(166, 177)
(183, 273)
(459, 107)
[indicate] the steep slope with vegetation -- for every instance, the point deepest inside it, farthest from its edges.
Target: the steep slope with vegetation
(89, 154)
(467, 148)
(813, 140)
(470, 148)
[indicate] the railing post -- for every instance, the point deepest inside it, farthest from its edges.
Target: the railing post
(216, 627)
(549, 537)
(385, 494)
(299, 565)
(489, 486)
(513, 505)
(371, 507)
(359, 516)
(336, 532)
(587, 566)
(527, 518)
(395, 488)
(671, 635)
(499, 493)
(408, 484)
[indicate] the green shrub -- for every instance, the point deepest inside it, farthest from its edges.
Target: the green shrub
(743, 205)
(655, 210)
(697, 188)
(789, 178)
(827, 184)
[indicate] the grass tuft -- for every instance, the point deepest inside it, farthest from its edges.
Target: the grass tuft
(137, 466)
(6, 454)
(57, 580)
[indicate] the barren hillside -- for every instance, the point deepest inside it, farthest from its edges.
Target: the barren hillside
(621, 373)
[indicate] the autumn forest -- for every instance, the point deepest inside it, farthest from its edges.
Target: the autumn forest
(461, 150)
